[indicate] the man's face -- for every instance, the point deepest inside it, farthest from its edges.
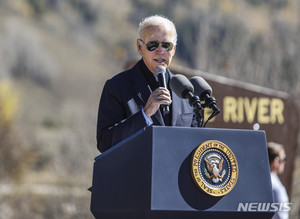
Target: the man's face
(281, 160)
(159, 56)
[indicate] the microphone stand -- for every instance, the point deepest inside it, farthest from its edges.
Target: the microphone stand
(211, 102)
(198, 109)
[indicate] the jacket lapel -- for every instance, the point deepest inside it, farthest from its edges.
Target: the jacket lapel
(142, 89)
(158, 117)
(176, 109)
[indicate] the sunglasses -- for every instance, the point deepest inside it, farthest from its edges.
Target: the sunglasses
(282, 160)
(153, 45)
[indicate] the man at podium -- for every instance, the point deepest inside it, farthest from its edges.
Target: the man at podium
(134, 99)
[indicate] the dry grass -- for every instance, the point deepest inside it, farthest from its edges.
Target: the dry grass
(56, 121)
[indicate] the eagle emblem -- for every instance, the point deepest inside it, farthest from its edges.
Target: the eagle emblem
(214, 168)
(213, 171)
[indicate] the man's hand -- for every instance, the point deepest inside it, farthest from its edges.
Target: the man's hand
(160, 96)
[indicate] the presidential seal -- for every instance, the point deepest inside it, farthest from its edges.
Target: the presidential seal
(214, 168)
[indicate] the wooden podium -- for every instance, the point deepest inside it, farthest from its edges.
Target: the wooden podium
(149, 175)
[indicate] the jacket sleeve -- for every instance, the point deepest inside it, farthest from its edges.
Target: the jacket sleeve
(115, 123)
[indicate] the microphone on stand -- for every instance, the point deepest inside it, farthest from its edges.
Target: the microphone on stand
(204, 91)
(184, 89)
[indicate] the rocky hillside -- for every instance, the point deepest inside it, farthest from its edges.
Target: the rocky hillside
(55, 56)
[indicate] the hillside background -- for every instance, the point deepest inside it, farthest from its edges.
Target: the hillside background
(55, 56)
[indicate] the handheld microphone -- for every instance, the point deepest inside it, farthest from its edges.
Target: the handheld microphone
(161, 76)
(204, 91)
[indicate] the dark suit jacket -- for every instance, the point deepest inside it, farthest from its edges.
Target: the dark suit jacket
(122, 100)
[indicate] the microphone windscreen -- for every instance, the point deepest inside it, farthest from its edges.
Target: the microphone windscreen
(201, 87)
(160, 70)
(181, 85)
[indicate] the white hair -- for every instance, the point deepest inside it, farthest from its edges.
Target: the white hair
(157, 20)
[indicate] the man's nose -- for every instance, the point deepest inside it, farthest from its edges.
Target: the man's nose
(160, 49)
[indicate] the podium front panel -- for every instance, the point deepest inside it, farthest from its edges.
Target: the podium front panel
(149, 176)
(173, 187)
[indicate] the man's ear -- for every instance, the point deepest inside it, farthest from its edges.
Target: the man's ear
(174, 50)
(139, 47)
